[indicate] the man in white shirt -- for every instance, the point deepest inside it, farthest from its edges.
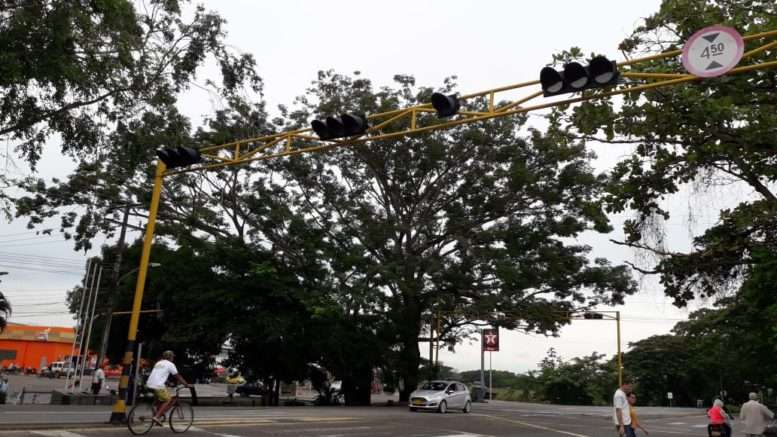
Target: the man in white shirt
(621, 412)
(157, 383)
(755, 416)
(97, 380)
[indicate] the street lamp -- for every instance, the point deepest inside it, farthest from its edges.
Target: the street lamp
(124, 276)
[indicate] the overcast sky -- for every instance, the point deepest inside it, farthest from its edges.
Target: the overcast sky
(485, 43)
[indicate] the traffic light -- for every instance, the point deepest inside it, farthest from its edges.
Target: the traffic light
(600, 72)
(445, 106)
(346, 125)
(594, 316)
(179, 156)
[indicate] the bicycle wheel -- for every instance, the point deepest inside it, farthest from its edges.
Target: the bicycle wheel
(181, 417)
(139, 418)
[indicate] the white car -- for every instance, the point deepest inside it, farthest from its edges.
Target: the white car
(441, 396)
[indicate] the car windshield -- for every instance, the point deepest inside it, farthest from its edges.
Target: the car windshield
(436, 386)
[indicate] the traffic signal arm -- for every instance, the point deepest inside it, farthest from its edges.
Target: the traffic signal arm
(415, 120)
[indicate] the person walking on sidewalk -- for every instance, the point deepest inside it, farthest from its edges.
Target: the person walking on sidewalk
(98, 379)
(621, 410)
(755, 416)
(157, 382)
(633, 413)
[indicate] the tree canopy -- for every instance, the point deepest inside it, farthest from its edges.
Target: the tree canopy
(87, 71)
(713, 133)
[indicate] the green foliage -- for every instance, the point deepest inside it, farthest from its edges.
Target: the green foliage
(5, 311)
(88, 70)
(469, 221)
(715, 132)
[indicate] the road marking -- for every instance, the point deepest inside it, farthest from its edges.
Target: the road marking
(531, 425)
(57, 434)
(461, 435)
(194, 428)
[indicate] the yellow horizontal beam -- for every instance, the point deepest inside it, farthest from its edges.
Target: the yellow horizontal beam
(409, 116)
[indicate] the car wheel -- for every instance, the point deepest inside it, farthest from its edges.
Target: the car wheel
(413, 409)
(443, 408)
(467, 407)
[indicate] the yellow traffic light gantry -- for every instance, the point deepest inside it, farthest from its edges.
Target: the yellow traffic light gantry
(638, 74)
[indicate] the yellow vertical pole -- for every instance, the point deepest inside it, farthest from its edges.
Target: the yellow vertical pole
(620, 358)
(119, 411)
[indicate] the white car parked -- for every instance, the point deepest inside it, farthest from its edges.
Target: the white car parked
(441, 396)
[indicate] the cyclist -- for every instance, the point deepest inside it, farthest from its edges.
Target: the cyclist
(157, 380)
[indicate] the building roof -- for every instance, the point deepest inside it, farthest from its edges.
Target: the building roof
(57, 334)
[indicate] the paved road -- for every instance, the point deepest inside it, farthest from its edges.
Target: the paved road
(496, 419)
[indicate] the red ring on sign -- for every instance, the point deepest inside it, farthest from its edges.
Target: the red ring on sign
(717, 28)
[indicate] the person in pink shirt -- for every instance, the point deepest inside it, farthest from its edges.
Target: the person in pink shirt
(719, 417)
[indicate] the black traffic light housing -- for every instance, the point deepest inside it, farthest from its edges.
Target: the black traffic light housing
(179, 156)
(600, 72)
(346, 125)
(445, 106)
(594, 316)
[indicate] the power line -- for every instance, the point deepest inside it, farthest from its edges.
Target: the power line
(25, 239)
(41, 304)
(23, 261)
(24, 290)
(33, 244)
(54, 258)
(62, 272)
(24, 233)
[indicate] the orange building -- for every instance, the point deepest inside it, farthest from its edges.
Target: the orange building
(34, 347)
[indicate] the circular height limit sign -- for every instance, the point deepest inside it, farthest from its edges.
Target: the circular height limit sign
(713, 51)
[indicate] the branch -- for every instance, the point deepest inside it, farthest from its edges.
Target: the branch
(641, 270)
(68, 107)
(643, 247)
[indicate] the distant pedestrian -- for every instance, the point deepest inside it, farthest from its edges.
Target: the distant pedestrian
(719, 418)
(4, 388)
(621, 410)
(98, 379)
(755, 416)
(633, 413)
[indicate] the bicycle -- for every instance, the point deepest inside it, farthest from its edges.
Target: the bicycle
(180, 415)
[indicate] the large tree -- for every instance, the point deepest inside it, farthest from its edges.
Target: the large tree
(712, 133)
(83, 70)
(476, 222)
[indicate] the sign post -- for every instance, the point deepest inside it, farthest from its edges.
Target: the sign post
(490, 344)
(713, 51)
(670, 396)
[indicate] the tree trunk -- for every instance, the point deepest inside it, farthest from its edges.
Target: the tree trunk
(410, 356)
(357, 387)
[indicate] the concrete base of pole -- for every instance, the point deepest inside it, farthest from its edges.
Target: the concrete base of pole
(118, 418)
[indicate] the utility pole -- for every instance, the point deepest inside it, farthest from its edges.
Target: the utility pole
(431, 347)
(85, 359)
(115, 284)
(78, 332)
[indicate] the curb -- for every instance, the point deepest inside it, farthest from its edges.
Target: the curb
(62, 425)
